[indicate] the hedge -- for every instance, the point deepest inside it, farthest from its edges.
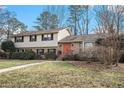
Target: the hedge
(50, 55)
(27, 55)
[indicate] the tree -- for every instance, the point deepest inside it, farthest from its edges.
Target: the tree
(75, 12)
(85, 17)
(53, 22)
(110, 23)
(9, 24)
(47, 21)
(61, 11)
(1, 35)
(79, 18)
(8, 47)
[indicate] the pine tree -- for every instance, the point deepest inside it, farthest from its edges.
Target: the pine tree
(46, 21)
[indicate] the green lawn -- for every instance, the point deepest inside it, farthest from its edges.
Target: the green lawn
(61, 75)
(11, 63)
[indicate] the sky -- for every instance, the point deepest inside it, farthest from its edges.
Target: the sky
(28, 14)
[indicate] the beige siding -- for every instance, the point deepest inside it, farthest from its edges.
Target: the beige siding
(75, 48)
(38, 43)
(63, 33)
(53, 43)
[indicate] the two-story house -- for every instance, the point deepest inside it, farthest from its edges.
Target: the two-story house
(39, 41)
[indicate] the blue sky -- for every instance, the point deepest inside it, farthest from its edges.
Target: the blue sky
(28, 14)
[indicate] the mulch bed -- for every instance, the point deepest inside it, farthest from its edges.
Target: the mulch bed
(97, 66)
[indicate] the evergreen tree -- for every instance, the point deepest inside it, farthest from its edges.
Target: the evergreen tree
(75, 13)
(46, 21)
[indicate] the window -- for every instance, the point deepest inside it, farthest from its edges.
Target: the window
(19, 39)
(17, 50)
(52, 50)
(88, 44)
(20, 50)
(40, 51)
(33, 38)
(46, 37)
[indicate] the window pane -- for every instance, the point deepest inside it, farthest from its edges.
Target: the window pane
(89, 44)
(47, 37)
(40, 51)
(52, 50)
(19, 39)
(33, 38)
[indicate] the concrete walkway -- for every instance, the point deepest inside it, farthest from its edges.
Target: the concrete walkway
(22, 66)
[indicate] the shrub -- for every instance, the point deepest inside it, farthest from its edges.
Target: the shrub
(122, 58)
(27, 55)
(8, 46)
(87, 56)
(76, 57)
(2, 54)
(40, 57)
(68, 57)
(83, 56)
(50, 55)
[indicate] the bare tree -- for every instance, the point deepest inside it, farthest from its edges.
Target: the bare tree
(76, 19)
(110, 23)
(9, 24)
(85, 18)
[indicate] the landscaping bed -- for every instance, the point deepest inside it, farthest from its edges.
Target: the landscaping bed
(97, 66)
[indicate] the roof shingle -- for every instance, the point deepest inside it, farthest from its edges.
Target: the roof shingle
(37, 32)
(90, 37)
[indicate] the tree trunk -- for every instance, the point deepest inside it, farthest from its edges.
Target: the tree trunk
(87, 14)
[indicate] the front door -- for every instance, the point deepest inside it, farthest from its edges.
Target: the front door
(66, 48)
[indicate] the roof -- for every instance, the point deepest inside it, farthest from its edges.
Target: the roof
(86, 38)
(37, 32)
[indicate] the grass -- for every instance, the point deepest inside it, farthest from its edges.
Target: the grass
(11, 63)
(61, 75)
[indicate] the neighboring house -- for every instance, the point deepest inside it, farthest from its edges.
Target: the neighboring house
(77, 44)
(39, 41)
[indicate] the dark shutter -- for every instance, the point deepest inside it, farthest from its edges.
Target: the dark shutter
(42, 37)
(15, 39)
(37, 51)
(48, 50)
(52, 36)
(43, 52)
(35, 38)
(30, 38)
(22, 38)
